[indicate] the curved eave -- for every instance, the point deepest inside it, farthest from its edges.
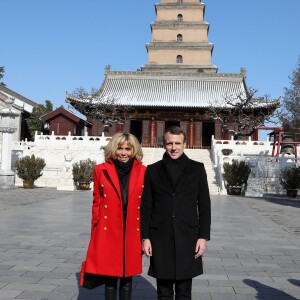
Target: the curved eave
(173, 91)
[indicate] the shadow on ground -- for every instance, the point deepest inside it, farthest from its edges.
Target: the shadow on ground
(283, 200)
(267, 292)
(295, 282)
(142, 289)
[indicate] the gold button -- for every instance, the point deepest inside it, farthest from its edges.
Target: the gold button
(140, 197)
(105, 228)
(102, 185)
(142, 186)
(105, 217)
(104, 195)
(137, 219)
(137, 229)
(105, 206)
(138, 207)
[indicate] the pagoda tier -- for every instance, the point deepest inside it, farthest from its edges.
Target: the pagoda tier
(180, 38)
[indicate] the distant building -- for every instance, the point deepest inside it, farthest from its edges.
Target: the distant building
(177, 85)
(22, 105)
(62, 121)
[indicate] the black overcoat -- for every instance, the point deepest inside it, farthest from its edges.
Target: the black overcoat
(174, 218)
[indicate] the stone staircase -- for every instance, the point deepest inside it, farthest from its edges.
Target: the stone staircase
(152, 155)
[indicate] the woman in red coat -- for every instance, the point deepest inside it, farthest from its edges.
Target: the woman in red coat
(115, 246)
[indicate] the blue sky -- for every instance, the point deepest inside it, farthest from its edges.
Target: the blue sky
(49, 47)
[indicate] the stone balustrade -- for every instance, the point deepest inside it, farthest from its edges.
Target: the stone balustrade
(60, 152)
(265, 168)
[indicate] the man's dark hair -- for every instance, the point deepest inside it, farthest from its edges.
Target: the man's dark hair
(176, 130)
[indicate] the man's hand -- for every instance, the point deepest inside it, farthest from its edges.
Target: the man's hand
(200, 247)
(146, 247)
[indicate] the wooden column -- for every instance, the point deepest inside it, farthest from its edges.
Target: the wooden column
(184, 126)
(191, 130)
(254, 136)
(152, 133)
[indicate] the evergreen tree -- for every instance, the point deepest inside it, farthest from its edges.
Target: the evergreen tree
(34, 122)
(290, 115)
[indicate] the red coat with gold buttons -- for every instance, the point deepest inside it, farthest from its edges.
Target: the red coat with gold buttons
(112, 251)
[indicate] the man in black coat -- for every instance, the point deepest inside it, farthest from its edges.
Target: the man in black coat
(175, 218)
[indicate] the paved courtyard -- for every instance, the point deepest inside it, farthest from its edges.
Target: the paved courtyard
(254, 252)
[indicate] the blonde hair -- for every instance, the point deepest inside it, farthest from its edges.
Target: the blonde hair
(117, 140)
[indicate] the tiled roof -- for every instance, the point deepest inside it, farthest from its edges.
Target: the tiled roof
(63, 111)
(182, 90)
(16, 95)
(163, 90)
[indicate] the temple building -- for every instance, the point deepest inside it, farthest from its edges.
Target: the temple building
(177, 86)
(23, 106)
(62, 121)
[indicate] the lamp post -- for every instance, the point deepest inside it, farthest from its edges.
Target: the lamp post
(8, 126)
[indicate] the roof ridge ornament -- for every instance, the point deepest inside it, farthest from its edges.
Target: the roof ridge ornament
(243, 71)
(107, 69)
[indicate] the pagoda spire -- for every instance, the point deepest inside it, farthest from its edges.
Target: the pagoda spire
(180, 38)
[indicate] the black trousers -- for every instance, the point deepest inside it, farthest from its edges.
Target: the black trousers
(166, 288)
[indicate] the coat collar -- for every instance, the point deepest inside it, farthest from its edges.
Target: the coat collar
(165, 177)
(113, 176)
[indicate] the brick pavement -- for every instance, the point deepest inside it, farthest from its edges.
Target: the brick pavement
(254, 251)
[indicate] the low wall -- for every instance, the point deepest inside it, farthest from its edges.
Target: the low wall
(59, 153)
(265, 168)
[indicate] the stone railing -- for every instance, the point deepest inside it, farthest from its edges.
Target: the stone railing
(40, 139)
(59, 153)
(265, 168)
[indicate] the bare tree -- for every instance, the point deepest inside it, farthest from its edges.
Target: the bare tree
(107, 110)
(241, 114)
(290, 113)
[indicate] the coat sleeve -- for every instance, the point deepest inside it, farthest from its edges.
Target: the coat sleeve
(204, 206)
(146, 207)
(96, 199)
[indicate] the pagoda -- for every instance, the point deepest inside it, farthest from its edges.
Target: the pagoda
(177, 86)
(180, 38)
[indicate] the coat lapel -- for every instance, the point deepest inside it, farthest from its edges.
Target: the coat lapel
(113, 177)
(134, 175)
(182, 177)
(165, 180)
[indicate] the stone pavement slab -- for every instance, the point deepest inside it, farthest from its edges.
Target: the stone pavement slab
(253, 254)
